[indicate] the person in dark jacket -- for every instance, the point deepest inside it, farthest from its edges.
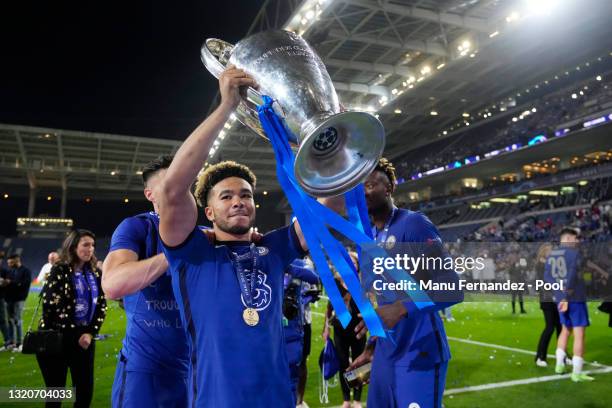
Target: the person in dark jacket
(3, 321)
(17, 286)
(73, 303)
(348, 345)
(549, 309)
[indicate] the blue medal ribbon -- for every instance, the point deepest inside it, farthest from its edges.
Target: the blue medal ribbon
(246, 283)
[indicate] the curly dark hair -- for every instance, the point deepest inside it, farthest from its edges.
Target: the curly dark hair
(208, 178)
(152, 167)
(386, 167)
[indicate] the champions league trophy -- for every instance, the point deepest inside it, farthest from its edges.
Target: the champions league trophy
(336, 150)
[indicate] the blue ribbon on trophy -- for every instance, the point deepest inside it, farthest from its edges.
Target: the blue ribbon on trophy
(317, 236)
(337, 150)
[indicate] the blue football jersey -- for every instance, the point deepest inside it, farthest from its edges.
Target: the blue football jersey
(155, 339)
(234, 364)
(418, 341)
(563, 265)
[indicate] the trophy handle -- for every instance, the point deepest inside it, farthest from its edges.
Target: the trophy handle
(215, 55)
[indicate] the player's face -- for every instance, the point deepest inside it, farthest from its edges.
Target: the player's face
(231, 206)
(569, 239)
(377, 190)
(85, 248)
(153, 186)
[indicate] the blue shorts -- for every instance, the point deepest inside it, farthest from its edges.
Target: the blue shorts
(136, 389)
(577, 315)
(395, 387)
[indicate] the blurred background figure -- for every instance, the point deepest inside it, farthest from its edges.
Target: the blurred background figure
(348, 346)
(3, 319)
(548, 307)
(52, 258)
(16, 285)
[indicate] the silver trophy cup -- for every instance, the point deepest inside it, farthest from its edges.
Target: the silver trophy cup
(336, 150)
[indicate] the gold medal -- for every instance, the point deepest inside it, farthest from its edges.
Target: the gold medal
(250, 316)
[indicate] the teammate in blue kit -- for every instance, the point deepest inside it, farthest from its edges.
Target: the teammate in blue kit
(229, 292)
(154, 360)
(564, 264)
(297, 275)
(409, 369)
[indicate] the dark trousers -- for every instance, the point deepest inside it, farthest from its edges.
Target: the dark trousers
(551, 318)
(520, 298)
(54, 369)
(3, 322)
(347, 345)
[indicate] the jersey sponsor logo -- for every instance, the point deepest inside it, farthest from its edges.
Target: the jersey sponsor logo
(390, 242)
(261, 251)
(262, 294)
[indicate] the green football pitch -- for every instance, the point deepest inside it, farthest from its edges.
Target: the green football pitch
(492, 363)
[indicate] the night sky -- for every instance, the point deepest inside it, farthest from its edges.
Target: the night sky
(125, 67)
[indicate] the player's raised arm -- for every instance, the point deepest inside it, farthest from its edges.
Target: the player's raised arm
(178, 213)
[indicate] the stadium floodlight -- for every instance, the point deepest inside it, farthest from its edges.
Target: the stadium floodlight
(493, 34)
(465, 115)
(513, 17)
(433, 113)
(398, 111)
(574, 96)
(548, 193)
(541, 7)
(598, 77)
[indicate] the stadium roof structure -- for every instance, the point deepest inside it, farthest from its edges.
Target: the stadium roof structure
(44, 158)
(427, 67)
(105, 164)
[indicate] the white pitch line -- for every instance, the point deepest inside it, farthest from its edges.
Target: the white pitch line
(512, 383)
(516, 350)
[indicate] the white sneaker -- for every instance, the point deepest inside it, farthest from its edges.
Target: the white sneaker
(17, 349)
(541, 363)
(568, 361)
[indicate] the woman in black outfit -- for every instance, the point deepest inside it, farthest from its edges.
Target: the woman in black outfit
(549, 308)
(74, 304)
(346, 343)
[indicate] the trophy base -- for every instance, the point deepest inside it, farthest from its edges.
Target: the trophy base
(339, 153)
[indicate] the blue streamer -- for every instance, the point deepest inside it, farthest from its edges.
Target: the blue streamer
(316, 234)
